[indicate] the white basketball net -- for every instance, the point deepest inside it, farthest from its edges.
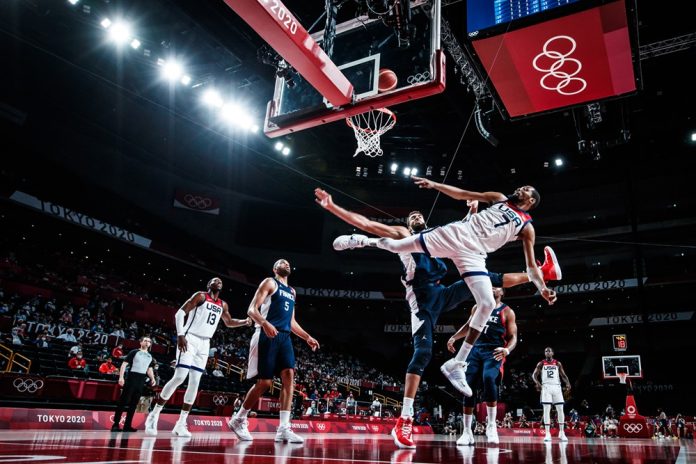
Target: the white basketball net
(369, 127)
(622, 377)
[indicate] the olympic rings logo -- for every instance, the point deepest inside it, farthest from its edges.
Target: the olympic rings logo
(197, 201)
(633, 428)
(418, 77)
(321, 426)
(561, 78)
(27, 385)
(220, 400)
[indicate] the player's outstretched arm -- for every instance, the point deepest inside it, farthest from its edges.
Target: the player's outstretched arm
(510, 336)
(230, 321)
(528, 236)
(359, 221)
(457, 193)
(266, 288)
(300, 332)
(196, 300)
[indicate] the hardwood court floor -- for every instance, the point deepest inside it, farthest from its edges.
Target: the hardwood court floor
(64, 447)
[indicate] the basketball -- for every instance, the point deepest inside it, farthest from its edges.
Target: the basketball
(387, 80)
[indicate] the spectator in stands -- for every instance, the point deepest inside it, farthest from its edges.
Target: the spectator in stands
(312, 409)
(107, 367)
(480, 428)
(376, 408)
(350, 403)
(117, 352)
(610, 427)
(507, 420)
(590, 429)
(681, 426)
(74, 350)
(574, 419)
(103, 354)
(17, 339)
(42, 341)
(78, 363)
(68, 336)
(118, 331)
(524, 424)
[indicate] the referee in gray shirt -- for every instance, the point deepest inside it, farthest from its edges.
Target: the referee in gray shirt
(141, 363)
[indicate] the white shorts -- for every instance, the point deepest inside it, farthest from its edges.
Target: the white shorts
(552, 394)
(196, 355)
(456, 242)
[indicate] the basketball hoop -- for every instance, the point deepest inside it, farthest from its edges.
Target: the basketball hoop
(369, 127)
(622, 377)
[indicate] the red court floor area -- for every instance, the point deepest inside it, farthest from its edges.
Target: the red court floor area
(63, 447)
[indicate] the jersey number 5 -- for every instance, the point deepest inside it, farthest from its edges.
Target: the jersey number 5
(287, 306)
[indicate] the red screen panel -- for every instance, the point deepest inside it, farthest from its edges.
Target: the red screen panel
(578, 58)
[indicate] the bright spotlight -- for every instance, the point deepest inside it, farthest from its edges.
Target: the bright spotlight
(105, 23)
(558, 162)
(172, 70)
(407, 172)
(693, 136)
(236, 116)
(73, 2)
(212, 97)
(186, 79)
(286, 151)
(120, 32)
(135, 44)
(279, 146)
(254, 128)
(393, 167)
(414, 171)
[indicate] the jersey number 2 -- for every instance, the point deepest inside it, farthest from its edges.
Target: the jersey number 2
(212, 317)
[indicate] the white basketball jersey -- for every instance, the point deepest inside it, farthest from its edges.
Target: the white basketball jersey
(494, 227)
(204, 319)
(549, 373)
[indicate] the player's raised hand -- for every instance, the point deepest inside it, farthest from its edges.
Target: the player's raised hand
(423, 183)
(323, 198)
(549, 295)
(181, 343)
(313, 343)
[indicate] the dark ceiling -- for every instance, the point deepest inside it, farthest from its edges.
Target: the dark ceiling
(64, 89)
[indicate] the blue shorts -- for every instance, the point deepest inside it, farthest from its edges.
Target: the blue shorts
(269, 356)
(427, 303)
(483, 372)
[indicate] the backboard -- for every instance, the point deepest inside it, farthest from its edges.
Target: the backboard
(362, 47)
(613, 365)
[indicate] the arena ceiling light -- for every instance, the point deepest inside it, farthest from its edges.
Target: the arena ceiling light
(693, 136)
(407, 172)
(286, 151)
(278, 146)
(135, 44)
(172, 70)
(414, 171)
(185, 79)
(211, 97)
(73, 2)
(393, 168)
(558, 162)
(105, 23)
(120, 32)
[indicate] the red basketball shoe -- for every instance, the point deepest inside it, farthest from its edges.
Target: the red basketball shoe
(402, 433)
(551, 269)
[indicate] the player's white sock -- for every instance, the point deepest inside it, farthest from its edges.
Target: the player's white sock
(284, 418)
(407, 408)
(242, 413)
(157, 409)
(492, 411)
(463, 352)
(468, 419)
(182, 416)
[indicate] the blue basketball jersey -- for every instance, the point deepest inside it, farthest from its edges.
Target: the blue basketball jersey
(420, 269)
(278, 307)
(493, 334)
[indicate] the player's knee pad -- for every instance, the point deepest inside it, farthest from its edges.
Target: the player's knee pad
(482, 290)
(192, 389)
(180, 374)
(547, 414)
(422, 354)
